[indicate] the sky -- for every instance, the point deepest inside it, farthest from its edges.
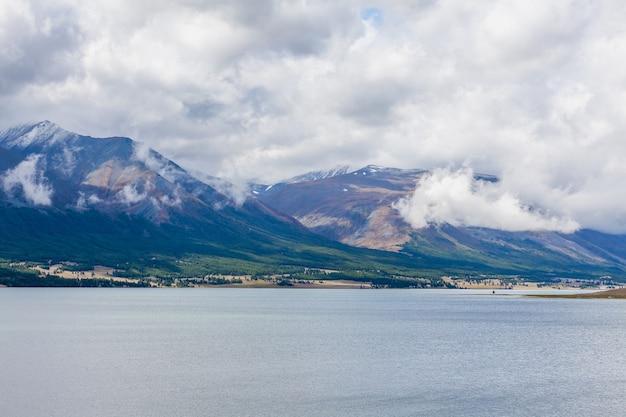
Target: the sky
(532, 92)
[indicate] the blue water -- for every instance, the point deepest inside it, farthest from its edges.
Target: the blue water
(277, 352)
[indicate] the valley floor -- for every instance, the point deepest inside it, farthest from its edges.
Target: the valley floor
(285, 281)
(501, 284)
(98, 272)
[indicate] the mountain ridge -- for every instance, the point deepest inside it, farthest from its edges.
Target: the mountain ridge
(109, 173)
(357, 208)
(114, 200)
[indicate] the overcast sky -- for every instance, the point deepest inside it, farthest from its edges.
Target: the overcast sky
(531, 91)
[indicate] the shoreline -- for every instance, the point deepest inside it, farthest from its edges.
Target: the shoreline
(616, 293)
(501, 285)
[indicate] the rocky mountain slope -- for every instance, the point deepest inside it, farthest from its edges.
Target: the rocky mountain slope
(357, 208)
(113, 201)
(351, 207)
(68, 197)
(47, 167)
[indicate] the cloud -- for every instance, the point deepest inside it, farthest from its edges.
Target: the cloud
(28, 182)
(273, 89)
(38, 40)
(169, 201)
(129, 194)
(172, 173)
(155, 162)
(82, 203)
(66, 161)
(238, 191)
(459, 199)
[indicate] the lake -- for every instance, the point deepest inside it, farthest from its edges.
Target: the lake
(290, 352)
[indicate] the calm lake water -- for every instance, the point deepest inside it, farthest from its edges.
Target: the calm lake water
(275, 352)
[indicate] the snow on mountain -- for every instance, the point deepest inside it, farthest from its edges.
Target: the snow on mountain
(359, 208)
(353, 207)
(319, 175)
(54, 171)
(48, 166)
(44, 133)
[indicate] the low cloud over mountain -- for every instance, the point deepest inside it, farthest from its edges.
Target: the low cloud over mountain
(27, 181)
(58, 183)
(459, 199)
(530, 92)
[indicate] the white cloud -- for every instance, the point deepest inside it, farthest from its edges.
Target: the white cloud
(93, 199)
(152, 160)
(83, 203)
(26, 180)
(129, 194)
(459, 199)
(271, 89)
(173, 201)
(237, 191)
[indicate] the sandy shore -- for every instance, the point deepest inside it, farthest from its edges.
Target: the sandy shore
(619, 293)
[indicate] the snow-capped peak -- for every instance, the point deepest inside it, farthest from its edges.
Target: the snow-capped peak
(319, 175)
(29, 134)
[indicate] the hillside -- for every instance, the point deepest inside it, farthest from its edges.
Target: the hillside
(357, 208)
(112, 201)
(76, 200)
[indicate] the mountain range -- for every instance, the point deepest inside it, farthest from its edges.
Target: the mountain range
(358, 208)
(116, 202)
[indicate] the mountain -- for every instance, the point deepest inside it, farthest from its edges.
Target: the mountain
(46, 166)
(113, 201)
(66, 197)
(357, 208)
(350, 207)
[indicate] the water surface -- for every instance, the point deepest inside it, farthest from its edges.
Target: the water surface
(276, 352)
